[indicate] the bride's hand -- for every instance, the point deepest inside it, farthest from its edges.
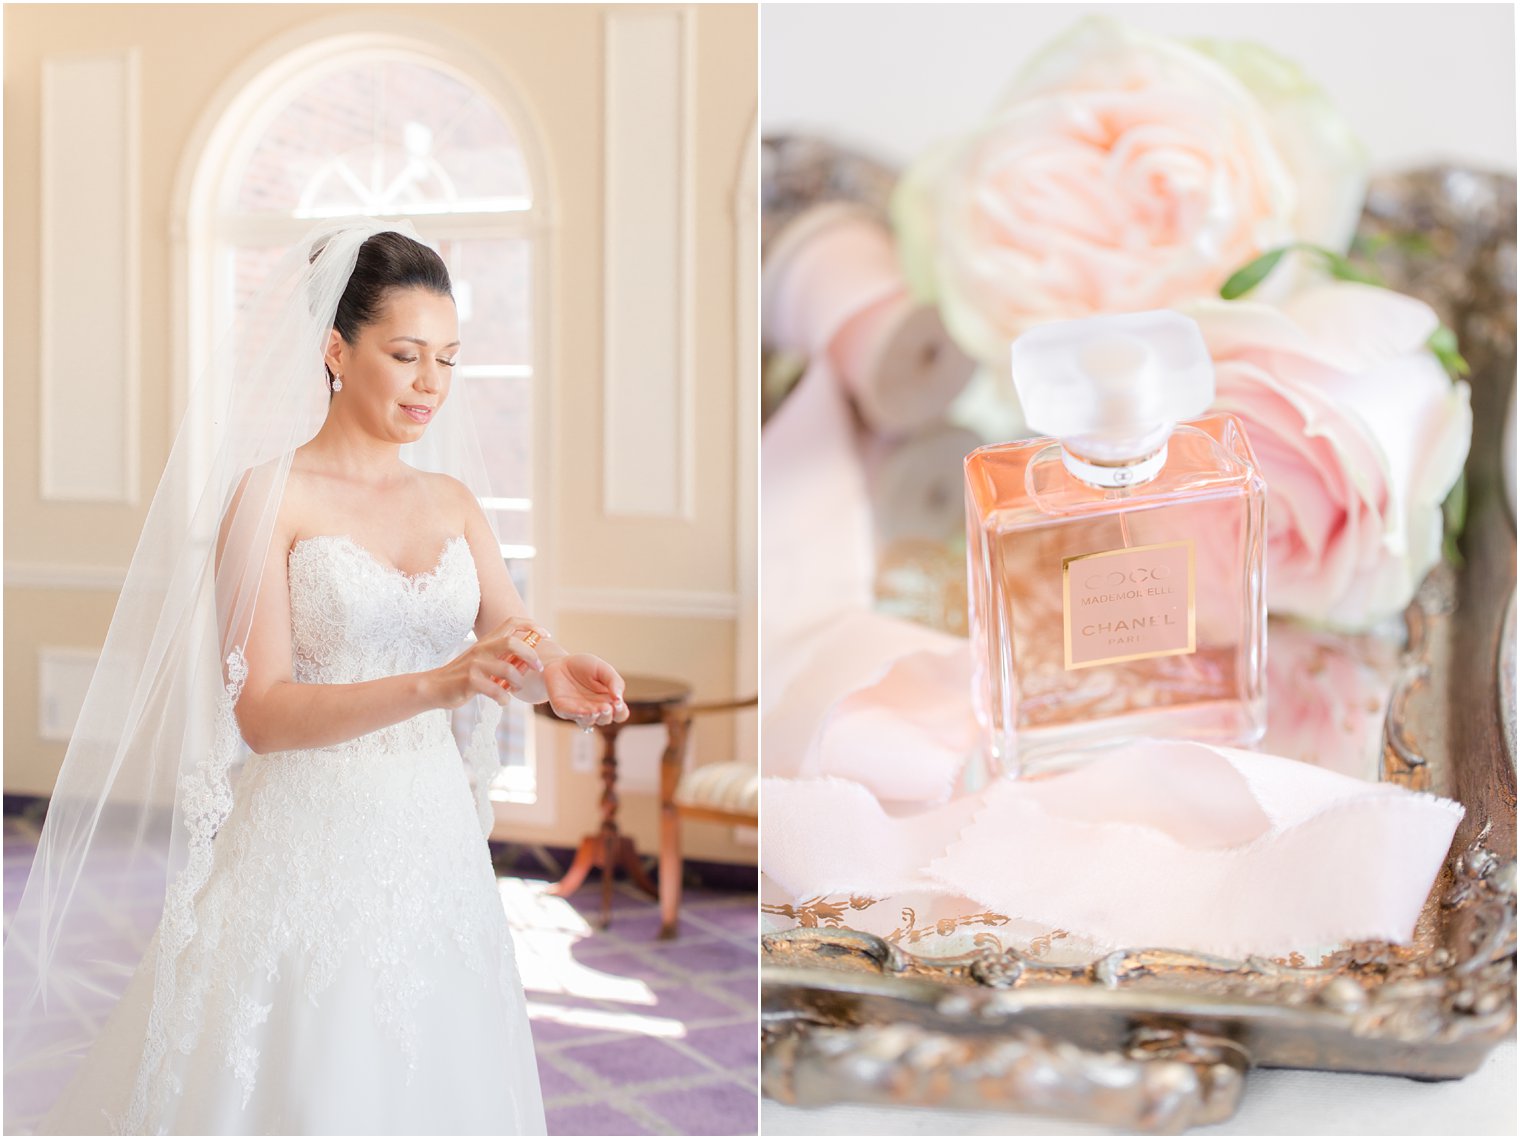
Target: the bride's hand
(586, 689)
(492, 667)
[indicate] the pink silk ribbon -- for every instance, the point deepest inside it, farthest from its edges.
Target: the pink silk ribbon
(834, 294)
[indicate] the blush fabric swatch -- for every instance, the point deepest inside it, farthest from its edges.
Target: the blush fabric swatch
(1186, 846)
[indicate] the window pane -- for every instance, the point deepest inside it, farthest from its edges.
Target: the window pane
(512, 742)
(503, 413)
(481, 154)
(493, 285)
(514, 779)
(383, 136)
(243, 272)
(521, 571)
(513, 527)
(250, 273)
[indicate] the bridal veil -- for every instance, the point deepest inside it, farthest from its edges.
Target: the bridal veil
(148, 774)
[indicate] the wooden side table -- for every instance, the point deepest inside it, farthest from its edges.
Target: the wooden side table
(649, 698)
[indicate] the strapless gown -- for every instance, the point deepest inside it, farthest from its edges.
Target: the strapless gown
(347, 968)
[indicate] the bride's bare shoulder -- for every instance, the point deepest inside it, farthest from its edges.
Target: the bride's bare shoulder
(451, 496)
(446, 485)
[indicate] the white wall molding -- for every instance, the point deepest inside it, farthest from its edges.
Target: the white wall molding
(63, 677)
(690, 50)
(53, 575)
(746, 202)
(90, 279)
(700, 604)
(648, 412)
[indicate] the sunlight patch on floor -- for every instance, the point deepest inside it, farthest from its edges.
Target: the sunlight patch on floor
(631, 1023)
(546, 930)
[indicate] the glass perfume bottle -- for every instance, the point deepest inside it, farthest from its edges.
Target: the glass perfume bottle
(1115, 570)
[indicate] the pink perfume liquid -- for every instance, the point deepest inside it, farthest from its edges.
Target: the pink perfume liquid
(1106, 614)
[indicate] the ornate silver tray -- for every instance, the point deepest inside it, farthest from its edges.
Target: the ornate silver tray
(1158, 1040)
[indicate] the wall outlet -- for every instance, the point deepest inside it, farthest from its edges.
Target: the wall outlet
(63, 676)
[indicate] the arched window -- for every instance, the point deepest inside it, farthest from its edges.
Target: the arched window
(364, 125)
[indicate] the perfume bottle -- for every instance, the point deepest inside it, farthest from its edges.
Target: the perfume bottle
(1115, 570)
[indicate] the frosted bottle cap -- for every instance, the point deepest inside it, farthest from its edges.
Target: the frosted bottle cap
(1112, 388)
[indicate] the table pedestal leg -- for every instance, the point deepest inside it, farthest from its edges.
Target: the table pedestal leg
(608, 849)
(609, 830)
(587, 859)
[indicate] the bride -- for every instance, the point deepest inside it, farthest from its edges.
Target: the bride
(331, 955)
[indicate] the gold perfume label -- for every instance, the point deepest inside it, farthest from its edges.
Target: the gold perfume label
(1129, 604)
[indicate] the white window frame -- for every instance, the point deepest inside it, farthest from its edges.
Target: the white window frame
(199, 227)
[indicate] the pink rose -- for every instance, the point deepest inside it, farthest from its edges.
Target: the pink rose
(1124, 171)
(1360, 434)
(1328, 697)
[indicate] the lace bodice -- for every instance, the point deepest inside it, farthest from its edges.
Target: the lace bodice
(354, 618)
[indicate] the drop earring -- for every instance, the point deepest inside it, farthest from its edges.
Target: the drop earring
(337, 383)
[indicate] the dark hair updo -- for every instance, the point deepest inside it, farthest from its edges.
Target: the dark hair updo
(386, 261)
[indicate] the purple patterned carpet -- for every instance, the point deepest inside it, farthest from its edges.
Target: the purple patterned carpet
(635, 1036)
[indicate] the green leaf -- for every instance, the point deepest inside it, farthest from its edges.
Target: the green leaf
(1370, 244)
(1343, 270)
(1253, 273)
(1454, 512)
(1415, 244)
(1443, 342)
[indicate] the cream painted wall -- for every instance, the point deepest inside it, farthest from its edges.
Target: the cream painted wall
(553, 56)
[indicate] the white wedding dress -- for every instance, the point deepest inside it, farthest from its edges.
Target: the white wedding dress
(347, 968)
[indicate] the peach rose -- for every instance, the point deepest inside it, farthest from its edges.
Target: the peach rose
(1328, 697)
(1360, 434)
(1123, 171)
